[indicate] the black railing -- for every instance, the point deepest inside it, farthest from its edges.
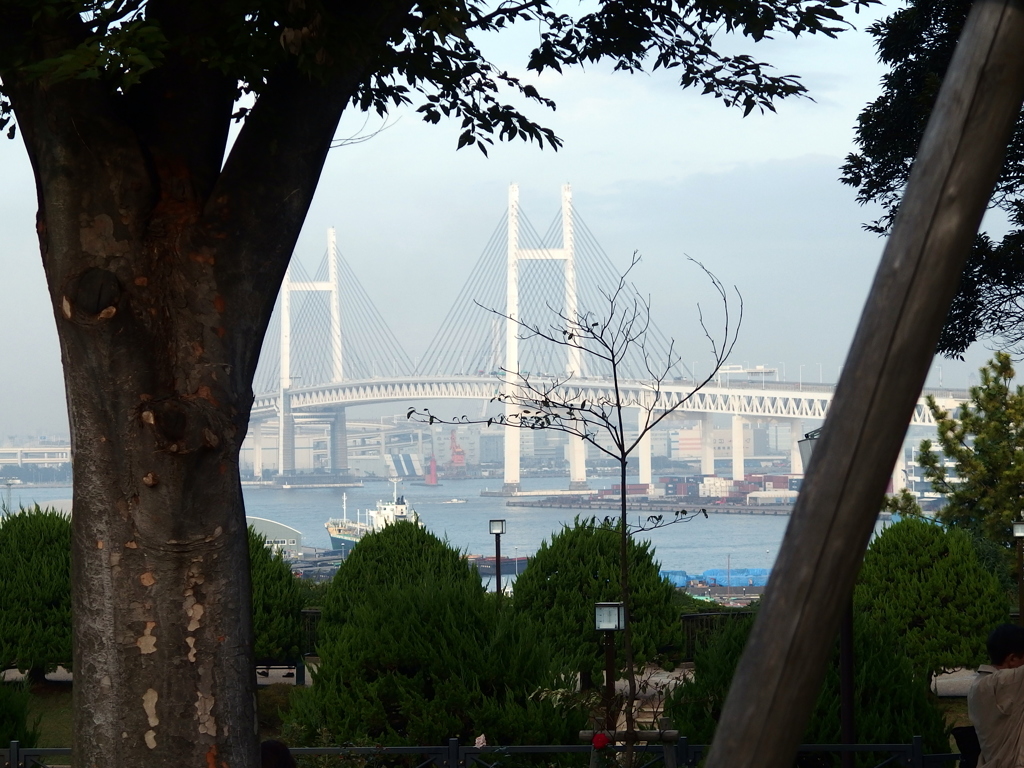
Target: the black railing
(310, 630)
(454, 755)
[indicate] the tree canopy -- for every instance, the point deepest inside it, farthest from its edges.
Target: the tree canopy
(891, 702)
(925, 585)
(916, 43)
(35, 590)
(580, 566)
(985, 491)
(401, 51)
(414, 651)
(277, 603)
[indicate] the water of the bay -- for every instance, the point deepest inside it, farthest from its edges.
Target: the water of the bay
(744, 541)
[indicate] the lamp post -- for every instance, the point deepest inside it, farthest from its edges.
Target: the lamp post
(1018, 535)
(497, 528)
(609, 618)
(846, 721)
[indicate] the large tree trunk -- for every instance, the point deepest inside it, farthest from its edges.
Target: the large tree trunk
(161, 595)
(163, 268)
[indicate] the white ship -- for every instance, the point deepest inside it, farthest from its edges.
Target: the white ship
(345, 533)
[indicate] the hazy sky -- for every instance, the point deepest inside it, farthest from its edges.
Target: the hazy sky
(656, 169)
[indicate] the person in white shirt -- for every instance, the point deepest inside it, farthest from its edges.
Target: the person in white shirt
(995, 702)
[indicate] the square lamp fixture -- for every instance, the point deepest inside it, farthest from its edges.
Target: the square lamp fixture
(1018, 530)
(497, 526)
(807, 446)
(609, 616)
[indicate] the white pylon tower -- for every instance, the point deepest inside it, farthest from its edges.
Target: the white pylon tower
(286, 422)
(567, 255)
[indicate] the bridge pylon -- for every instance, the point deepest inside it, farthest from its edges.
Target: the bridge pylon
(567, 255)
(286, 421)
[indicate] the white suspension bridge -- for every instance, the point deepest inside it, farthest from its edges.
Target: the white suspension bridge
(329, 349)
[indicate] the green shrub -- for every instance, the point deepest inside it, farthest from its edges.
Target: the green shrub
(313, 592)
(581, 567)
(414, 651)
(399, 554)
(891, 705)
(277, 603)
(14, 719)
(35, 590)
(926, 585)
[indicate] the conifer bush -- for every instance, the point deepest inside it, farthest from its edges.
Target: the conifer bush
(414, 651)
(925, 584)
(892, 704)
(580, 567)
(35, 591)
(14, 717)
(277, 603)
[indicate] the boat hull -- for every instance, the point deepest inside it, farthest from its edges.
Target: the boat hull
(510, 566)
(342, 544)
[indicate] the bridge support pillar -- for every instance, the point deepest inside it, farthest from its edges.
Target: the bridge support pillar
(512, 436)
(796, 434)
(738, 471)
(512, 443)
(644, 452)
(256, 430)
(285, 439)
(339, 443)
(707, 445)
(577, 464)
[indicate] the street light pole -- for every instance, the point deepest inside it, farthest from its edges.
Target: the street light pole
(497, 528)
(1018, 535)
(609, 679)
(609, 618)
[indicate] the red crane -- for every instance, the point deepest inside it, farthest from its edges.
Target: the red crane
(458, 462)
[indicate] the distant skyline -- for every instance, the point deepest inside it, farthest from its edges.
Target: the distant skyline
(655, 169)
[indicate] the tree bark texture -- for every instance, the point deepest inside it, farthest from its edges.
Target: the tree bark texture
(780, 673)
(163, 262)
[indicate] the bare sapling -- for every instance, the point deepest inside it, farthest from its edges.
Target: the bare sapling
(615, 347)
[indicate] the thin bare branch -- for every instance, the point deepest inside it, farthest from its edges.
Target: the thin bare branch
(573, 408)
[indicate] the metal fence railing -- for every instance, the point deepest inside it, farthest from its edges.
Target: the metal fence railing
(310, 630)
(681, 754)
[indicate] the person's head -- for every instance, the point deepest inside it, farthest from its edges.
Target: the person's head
(1006, 646)
(274, 754)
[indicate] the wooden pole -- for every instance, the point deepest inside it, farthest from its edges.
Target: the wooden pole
(780, 674)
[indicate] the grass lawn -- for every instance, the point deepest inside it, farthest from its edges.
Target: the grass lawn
(51, 703)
